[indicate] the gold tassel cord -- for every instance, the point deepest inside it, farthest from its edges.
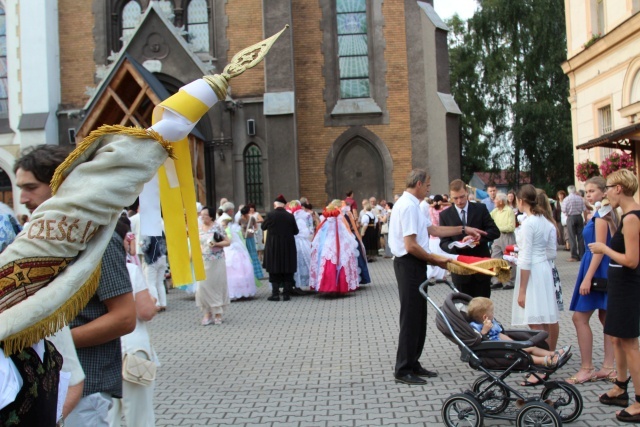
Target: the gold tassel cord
(93, 137)
(56, 320)
(491, 267)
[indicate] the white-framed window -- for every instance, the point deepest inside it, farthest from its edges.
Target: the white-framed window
(600, 16)
(198, 25)
(604, 120)
(635, 89)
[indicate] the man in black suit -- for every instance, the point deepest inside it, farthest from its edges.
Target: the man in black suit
(469, 215)
(280, 255)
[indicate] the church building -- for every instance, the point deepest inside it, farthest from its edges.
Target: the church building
(351, 97)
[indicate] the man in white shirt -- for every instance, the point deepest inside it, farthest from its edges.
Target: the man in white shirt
(409, 232)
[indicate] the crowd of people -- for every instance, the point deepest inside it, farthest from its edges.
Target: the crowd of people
(601, 229)
(305, 251)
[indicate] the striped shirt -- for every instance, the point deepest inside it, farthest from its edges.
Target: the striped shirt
(573, 205)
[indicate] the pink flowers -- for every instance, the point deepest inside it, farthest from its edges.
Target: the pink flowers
(586, 170)
(617, 161)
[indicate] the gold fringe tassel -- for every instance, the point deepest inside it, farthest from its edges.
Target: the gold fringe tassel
(499, 266)
(56, 320)
(90, 139)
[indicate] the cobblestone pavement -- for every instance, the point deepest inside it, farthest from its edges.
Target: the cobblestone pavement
(319, 361)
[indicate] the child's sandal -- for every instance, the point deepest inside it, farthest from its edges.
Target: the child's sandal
(549, 361)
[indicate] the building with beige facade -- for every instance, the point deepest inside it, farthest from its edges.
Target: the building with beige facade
(603, 66)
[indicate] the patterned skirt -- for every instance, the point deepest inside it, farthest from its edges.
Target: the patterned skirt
(253, 253)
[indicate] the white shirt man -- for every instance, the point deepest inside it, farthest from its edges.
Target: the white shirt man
(409, 232)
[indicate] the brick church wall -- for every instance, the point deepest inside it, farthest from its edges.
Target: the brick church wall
(77, 67)
(245, 29)
(314, 138)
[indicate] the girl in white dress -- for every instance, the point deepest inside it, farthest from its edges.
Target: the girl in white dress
(534, 299)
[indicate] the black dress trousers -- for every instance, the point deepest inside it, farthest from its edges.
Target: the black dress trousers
(410, 273)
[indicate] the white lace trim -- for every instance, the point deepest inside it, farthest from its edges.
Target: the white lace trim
(328, 252)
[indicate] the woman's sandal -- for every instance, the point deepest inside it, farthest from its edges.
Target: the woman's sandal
(621, 399)
(537, 382)
(626, 417)
(591, 377)
(611, 376)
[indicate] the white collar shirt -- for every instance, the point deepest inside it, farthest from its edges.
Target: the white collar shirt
(408, 219)
(466, 211)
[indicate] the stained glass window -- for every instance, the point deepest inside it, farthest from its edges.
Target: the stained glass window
(131, 15)
(198, 25)
(353, 49)
(4, 101)
(166, 6)
(253, 175)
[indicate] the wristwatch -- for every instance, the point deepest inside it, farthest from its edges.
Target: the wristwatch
(463, 230)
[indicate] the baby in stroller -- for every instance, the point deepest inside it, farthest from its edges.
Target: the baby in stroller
(481, 312)
(497, 353)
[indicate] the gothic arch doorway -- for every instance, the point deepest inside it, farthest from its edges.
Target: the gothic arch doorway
(361, 162)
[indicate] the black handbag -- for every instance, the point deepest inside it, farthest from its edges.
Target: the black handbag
(599, 284)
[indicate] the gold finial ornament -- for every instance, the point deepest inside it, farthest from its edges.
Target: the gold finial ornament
(247, 58)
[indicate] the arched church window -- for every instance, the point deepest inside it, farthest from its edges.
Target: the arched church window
(353, 50)
(253, 175)
(198, 25)
(4, 90)
(131, 15)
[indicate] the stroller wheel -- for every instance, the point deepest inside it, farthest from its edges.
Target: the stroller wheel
(494, 399)
(565, 399)
(462, 410)
(538, 414)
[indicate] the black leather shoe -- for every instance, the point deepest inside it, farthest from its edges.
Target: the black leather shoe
(425, 373)
(507, 287)
(410, 379)
(286, 297)
(274, 298)
(298, 292)
(496, 286)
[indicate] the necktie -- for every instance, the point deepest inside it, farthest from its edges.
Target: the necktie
(463, 217)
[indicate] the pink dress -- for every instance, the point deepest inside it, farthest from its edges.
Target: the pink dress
(334, 256)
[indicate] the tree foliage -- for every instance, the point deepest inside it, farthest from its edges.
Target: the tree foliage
(507, 80)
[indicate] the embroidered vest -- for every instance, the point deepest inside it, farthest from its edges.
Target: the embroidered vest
(36, 402)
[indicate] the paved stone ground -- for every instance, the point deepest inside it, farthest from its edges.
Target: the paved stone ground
(319, 361)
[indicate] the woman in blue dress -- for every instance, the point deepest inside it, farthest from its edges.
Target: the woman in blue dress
(600, 228)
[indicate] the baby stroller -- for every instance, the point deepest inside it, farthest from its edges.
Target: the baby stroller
(490, 396)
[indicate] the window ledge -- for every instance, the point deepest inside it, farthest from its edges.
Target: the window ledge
(349, 107)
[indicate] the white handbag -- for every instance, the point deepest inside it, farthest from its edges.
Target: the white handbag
(138, 370)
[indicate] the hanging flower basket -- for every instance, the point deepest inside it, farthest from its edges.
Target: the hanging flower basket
(617, 161)
(586, 170)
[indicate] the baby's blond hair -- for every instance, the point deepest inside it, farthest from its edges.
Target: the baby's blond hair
(478, 307)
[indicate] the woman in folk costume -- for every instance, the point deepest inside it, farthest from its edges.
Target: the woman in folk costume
(303, 242)
(240, 273)
(334, 254)
(249, 225)
(212, 294)
(369, 221)
(46, 281)
(363, 267)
